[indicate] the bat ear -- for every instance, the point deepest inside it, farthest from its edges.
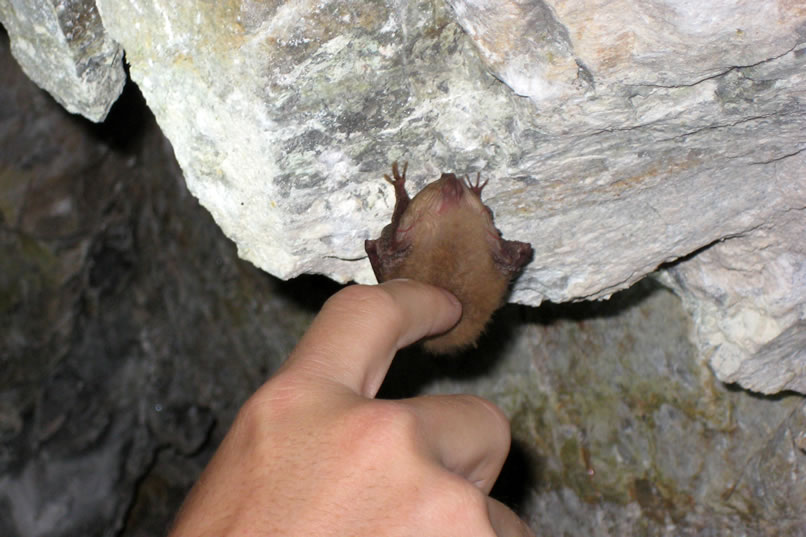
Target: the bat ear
(514, 255)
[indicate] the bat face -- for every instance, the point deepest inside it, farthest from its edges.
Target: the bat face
(445, 236)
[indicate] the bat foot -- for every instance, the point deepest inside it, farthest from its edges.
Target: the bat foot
(397, 177)
(478, 186)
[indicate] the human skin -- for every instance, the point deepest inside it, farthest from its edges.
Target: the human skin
(312, 453)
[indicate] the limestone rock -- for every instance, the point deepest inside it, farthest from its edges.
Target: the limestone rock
(747, 297)
(617, 136)
(63, 47)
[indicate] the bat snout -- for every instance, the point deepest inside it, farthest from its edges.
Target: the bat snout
(451, 190)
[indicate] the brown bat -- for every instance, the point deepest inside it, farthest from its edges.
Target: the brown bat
(445, 236)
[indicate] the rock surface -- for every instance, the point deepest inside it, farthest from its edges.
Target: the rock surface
(619, 429)
(121, 304)
(284, 116)
(618, 136)
(648, 130)
(63, 47)
(747, 296)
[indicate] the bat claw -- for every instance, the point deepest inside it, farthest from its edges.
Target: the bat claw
(398, 177)
(478, 186)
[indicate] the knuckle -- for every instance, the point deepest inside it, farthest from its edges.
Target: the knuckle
(385, 426)
(280, 399)
(470, 499)
(264, 406)
(462, 505)
(250, 422)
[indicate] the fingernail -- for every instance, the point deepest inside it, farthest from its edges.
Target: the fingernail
(452, 298)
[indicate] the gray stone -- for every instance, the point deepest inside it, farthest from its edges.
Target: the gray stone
(63, 47)
(617, 136)
(284, 117)
(747, 296)
(619, 429)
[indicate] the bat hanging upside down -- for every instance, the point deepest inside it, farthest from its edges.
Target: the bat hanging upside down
(445, 236)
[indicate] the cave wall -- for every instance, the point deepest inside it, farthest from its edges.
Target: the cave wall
(122, 300)
(618, 137)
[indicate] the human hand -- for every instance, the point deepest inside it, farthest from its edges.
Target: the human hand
(312, 453)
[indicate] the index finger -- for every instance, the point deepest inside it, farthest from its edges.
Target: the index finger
(358, 331)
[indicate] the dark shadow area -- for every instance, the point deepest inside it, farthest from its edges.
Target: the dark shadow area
(127, 121)
(780, 396)
(413, 368)
(521, 474)
(308, 292)
(621, 301)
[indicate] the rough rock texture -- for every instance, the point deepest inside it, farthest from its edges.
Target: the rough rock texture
(622, 135)
(619, 429)
(747, 296)
(284, 116)
(618, 136)
(130, 333)
(63, 46)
